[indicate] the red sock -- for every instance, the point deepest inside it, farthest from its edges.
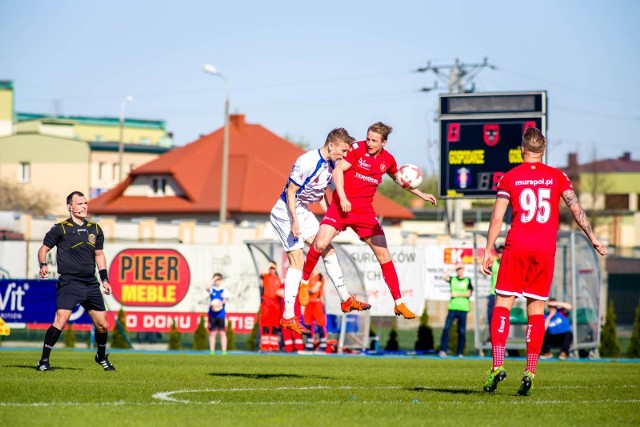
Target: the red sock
(391, 279)
(535, 336)
(499, 332)
(310, 263)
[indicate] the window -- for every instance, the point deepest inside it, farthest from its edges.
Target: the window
(101, 170)
(617, 201)
(158, 185)
(25, 173)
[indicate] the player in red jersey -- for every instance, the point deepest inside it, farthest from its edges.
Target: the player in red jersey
(533, 190)
(356, 178)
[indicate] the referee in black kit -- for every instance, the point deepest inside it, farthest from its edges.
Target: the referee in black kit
(79, 250)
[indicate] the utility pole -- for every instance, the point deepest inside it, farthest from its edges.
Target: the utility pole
(456, 76)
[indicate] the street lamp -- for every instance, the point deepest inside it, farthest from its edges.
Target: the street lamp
(210, 69)
(123, 107)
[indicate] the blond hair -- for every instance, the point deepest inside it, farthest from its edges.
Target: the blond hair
(381, 129)
(339, 135)
(534, 141)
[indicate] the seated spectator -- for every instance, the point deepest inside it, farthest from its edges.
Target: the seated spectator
(558, 329)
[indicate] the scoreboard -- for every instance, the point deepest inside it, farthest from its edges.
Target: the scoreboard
(480, 138)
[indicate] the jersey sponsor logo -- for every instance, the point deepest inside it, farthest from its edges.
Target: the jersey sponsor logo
(366, 178)
(491, 134)
(149, 277)
(363, 164)
(534, 182)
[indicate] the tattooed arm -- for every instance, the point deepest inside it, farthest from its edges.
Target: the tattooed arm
(570, 198)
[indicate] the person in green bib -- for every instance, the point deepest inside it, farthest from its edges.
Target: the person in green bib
(459, 306)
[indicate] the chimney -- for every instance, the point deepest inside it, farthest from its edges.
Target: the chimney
(626, 156)
(572, 161)
(237, 120)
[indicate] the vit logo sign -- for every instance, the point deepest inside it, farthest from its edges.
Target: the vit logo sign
(11, 300)
(149, 277)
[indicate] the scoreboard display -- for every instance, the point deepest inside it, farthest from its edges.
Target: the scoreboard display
(480, 139)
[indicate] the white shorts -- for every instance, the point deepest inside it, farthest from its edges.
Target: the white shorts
(280, 220)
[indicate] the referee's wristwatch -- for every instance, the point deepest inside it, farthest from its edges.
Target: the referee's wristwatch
(43, 264)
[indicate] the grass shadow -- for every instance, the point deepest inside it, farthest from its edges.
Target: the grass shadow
(446, 390)
(262, 376)
(33, 368)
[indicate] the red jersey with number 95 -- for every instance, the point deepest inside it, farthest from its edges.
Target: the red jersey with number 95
(534, 191)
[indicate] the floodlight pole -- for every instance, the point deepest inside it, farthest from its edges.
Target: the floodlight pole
(210, 69)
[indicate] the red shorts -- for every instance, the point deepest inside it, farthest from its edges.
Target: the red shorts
(362, 220)
(527, 274)
(270, 313)
(315, 313)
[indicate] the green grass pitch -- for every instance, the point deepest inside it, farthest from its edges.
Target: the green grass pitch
(243, 389)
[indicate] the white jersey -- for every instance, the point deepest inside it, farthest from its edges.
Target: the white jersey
(312, 174)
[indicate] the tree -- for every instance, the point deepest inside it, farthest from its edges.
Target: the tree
(14, 197)
(633, 350)
(425, 333)
(69, 337)
(392, 343)
(231, 337)
(174, 337)
(201, 336)
(117, 336)
(609, 344)
(591, 185)
(300, 141)
(252, 340)
(402, 196)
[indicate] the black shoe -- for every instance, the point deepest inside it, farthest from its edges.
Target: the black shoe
(526, 385)
(104, 362)
(43, 366)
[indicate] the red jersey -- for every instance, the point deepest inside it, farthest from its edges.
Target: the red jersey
(534, 191)
(316, 296)
(270, 285)
(365, 174)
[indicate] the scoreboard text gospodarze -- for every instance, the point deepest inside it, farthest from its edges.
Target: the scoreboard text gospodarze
(480, 138)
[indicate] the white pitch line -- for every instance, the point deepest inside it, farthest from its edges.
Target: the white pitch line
(519, 401)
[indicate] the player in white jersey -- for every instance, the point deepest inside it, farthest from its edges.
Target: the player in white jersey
(296, 225)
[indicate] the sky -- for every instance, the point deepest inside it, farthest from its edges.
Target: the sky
(301, 69)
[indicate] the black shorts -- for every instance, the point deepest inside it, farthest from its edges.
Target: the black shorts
(72, 291)
(216, 323)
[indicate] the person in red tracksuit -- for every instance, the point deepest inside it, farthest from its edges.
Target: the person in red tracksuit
(315, 314)
(270, 309)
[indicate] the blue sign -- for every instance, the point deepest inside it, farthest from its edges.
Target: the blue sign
(33, 301)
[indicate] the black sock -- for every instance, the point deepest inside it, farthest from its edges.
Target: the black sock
(101, 343)
(50, 339)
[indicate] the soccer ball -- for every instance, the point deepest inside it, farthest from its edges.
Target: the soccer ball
(216, 305)
(409, 176)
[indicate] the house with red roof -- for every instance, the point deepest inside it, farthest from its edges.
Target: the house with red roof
(185, 182)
